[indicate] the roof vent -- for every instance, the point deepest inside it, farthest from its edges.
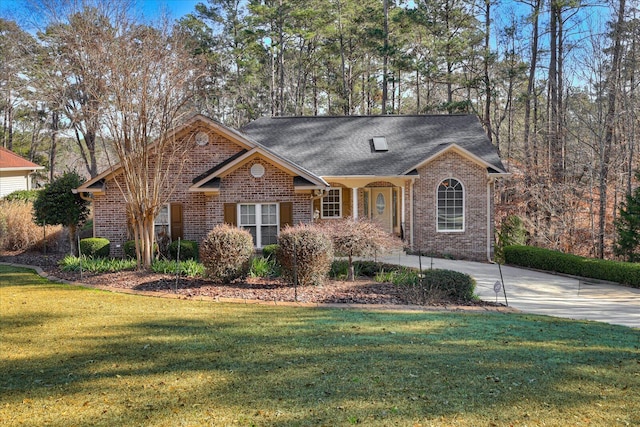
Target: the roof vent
(380, 143)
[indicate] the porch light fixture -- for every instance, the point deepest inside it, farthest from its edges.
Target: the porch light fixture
(380, 143)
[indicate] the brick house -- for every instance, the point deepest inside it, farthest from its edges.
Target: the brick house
(428, 179)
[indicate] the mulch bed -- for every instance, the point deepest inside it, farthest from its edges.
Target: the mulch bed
(362, 291)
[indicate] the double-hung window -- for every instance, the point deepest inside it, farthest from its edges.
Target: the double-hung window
(261, 220)
(450, 205)
(332, 204)
(161, 222)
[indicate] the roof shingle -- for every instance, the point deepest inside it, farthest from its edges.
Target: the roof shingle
(343, 145)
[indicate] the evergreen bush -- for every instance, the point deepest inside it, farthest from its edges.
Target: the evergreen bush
(95, 247)
(188, 250)
(544, 259)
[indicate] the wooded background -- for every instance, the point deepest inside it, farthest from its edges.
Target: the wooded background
(554, 83)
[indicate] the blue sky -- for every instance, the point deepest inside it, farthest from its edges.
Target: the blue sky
(150, 9)
(175, 8)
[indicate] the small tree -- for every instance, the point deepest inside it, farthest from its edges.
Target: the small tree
(359, 238)
(628, 227)
(57, 204)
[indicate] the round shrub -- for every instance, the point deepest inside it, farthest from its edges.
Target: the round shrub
(95, 247)
(305, 254)
(226, 253)
(188, 249)
(452, 285)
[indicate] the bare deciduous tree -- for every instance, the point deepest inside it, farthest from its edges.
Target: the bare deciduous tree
(149, 77)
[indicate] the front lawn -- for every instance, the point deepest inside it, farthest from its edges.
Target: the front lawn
(75, 356)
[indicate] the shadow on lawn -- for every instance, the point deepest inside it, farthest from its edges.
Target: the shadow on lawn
(310, 367)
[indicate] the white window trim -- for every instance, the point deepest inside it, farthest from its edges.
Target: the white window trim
(258, 242)
(168, 224)
(464, 207)
(339, 205)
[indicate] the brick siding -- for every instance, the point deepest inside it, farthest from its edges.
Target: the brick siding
(470, 243)
(202, 212)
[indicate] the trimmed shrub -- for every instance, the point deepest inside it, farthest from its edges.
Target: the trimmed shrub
(544, 259)
(452, 285)
(305, 254)
(188, 250)
(431, 286)
(226, 253)
(95, 247)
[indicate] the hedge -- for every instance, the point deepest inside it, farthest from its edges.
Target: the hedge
(95, 247)
(188, 250)
(625, 273)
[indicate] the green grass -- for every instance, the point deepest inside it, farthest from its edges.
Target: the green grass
(81, 357)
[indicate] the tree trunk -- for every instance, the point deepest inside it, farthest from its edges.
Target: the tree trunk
(487, 81)
(385, 58)
(531, 86)
(605, 152)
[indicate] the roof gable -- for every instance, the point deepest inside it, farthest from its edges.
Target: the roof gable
(344, 145)
(205, 180)
(11, 161)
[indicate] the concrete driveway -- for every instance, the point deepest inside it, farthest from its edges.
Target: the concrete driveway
(543, 293)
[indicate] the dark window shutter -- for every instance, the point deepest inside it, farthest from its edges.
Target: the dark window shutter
(347, 206)
(177, 230)
(230, 214)
(286, 214)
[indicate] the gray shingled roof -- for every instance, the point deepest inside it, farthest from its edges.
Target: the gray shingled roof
(339, 146)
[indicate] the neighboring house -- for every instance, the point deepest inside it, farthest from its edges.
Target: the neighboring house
(428, 179)
(15, 172)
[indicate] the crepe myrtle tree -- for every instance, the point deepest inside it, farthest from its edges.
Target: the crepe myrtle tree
(150, 78)
(57, 204)
(359, 238)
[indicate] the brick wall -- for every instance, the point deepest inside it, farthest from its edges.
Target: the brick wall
(470, 243)
(202, 212)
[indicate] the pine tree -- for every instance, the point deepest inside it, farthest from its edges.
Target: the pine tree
(628, 227)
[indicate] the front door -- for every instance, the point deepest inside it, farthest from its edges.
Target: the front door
(381, 207)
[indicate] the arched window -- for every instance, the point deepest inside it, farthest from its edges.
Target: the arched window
(450, 205)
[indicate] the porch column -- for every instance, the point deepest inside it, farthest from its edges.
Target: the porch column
(354, 202)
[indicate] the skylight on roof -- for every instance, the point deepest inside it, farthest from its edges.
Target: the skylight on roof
(380, 143)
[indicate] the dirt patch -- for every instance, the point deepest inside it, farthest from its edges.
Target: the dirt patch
(362, 291)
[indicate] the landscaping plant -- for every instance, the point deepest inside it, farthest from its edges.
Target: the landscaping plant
(359, 238)
(95, 247)
(57, 204)
(226, 253)
(304, 254)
